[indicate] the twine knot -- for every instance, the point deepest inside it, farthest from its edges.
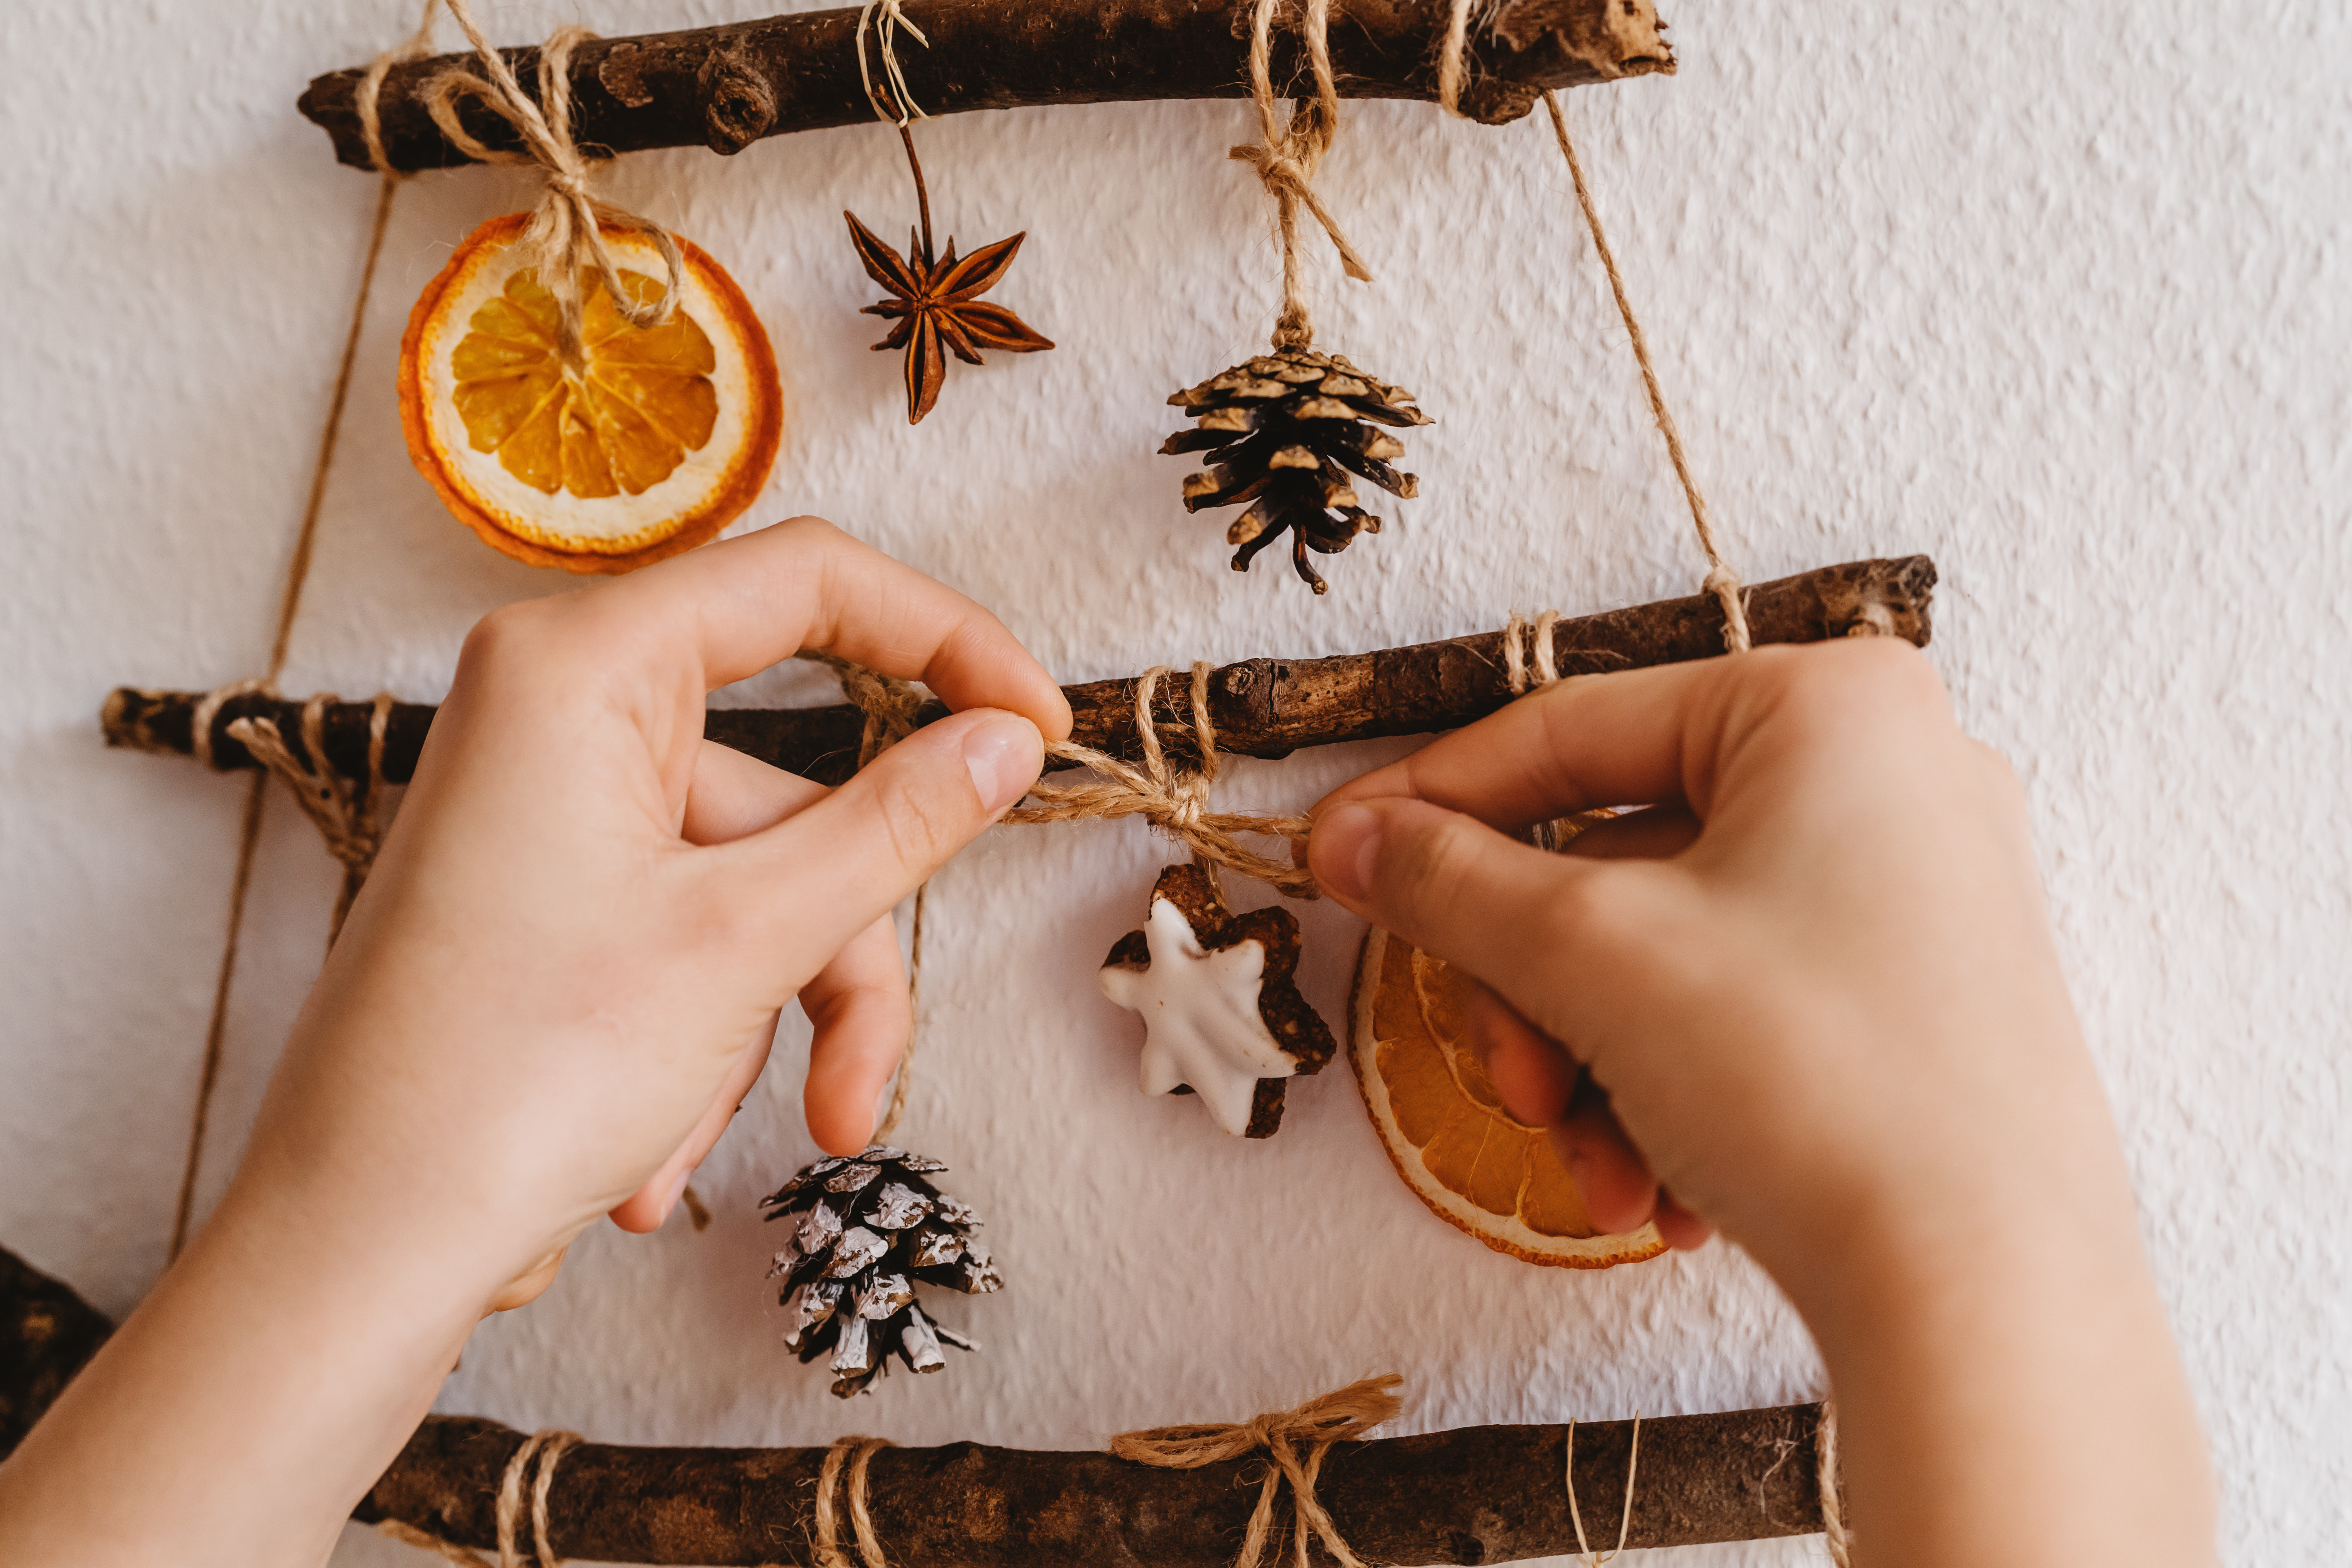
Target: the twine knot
(565, 235)
(1336, 1418)
(349, 815)
(1171, 799)
(1286, 156)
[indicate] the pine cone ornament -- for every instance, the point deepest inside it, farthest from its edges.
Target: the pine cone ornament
(1290, 434)
(869, 1229)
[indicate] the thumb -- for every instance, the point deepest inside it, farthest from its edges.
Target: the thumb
(847, 860)
(1451, 886)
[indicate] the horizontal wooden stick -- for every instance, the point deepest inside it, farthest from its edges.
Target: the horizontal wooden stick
(1261, 706)
(1475, 1494)
(726, 87)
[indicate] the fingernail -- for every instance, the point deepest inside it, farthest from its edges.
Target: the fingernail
(1342, 849)
(677, 1191)
(1002, 751)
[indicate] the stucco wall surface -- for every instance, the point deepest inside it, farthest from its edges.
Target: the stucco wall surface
(2054, 292)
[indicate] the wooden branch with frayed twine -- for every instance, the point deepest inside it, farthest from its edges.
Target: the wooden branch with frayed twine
(1172, 799)
(1287, 156)
(532, 1467)
(349, 815)
(565, 237)
(1473, 1494)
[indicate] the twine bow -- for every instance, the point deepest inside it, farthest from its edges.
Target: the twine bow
(1286, 156)
(1173, 800)
(565, 235)
(1335, 1417)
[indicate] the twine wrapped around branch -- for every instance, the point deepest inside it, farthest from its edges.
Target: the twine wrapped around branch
(348, 814)
(564, 236)
(1172, 799)
(1286, 156)
(1335, 1417)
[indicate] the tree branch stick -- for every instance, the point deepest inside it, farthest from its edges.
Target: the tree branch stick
(1261, 706)
(1475, 1494)
(726, 87)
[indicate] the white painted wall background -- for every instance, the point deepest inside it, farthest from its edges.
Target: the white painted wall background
(2054, 292)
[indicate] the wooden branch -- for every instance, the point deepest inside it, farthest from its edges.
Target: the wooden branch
(1476, 1494)
(1261, 706)
(726, 87)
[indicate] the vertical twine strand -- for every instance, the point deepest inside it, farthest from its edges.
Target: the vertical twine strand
(1286, 156)
(1721, 581)
(530, 1469)
(1832, 1488)
(289, 605)
(854, 1454)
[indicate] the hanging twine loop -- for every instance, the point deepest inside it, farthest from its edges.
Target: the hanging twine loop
(1336, 1418)
(348, 814)
(531, 1472)
(1625, 1514)
(886, 20)
(853, 1455)
(1172, 799)
(565, 237)
(1285, 157)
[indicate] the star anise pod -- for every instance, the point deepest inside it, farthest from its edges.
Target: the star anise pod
(936, 303)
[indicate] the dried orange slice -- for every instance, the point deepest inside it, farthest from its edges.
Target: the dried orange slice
(1445, 1127)
(661, 437)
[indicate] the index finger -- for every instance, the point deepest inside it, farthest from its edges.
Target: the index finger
(744, 603)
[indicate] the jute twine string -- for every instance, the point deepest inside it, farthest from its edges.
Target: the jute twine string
(853, 1455)
(1625, 1514)
(349, 815)
(1516, 638)
(1172, 799)
(290, 605)
(1335, 1417)
(890, 706)
(886, 20)
(1825, 1470)
(1285, 157)
(531, 1469)
(1721, 581)
(1453, 58)
(565, 233)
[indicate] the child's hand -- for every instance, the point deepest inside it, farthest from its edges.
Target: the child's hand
(1810, 997)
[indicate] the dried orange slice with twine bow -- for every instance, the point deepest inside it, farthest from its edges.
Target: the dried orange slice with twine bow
(1444, 1127)
(653, 441)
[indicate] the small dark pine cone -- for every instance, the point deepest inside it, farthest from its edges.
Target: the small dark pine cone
(870, 1228)
(1290, 436)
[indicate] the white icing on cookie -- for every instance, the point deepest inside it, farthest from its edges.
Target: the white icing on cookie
(1202, 1025)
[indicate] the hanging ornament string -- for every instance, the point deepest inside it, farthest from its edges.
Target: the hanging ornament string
(565, 237)
(532, 1467)
(1335, 1417)
(1172, 799)
(290, 605)
(885, 30)
(890, 706)
(1625, 1514)
(1286, 156)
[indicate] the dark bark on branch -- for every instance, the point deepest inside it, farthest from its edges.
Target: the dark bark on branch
(1476, 1494)
(726, 87)
(1261, 706)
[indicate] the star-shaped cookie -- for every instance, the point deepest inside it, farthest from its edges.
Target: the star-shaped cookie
(1223, 1017)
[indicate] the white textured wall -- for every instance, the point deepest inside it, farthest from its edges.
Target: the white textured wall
(2055, 293)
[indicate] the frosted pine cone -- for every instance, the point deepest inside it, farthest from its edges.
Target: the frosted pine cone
(870, 1229)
